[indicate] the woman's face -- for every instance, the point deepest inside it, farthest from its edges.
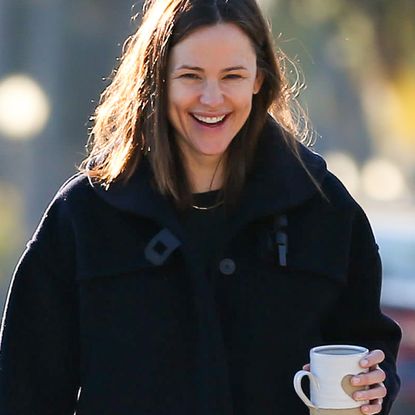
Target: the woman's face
(212, 76)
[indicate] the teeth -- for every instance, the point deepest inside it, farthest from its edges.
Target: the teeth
(209, 120)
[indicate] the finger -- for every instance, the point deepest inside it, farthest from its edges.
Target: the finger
(371, 394)
(370, 378)
(373, 358)
(307, 367)
(373, 408)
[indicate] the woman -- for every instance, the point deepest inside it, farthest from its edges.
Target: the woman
(202, 251)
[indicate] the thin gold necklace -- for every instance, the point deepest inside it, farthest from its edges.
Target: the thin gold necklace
(208, 207)
(217, 204)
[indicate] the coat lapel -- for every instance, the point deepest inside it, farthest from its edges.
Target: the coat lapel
(278, 181)
(138, 196)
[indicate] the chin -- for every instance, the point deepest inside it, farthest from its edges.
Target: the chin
(220, 146)
(213, 151)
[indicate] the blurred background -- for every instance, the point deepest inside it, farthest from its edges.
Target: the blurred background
(357, 64)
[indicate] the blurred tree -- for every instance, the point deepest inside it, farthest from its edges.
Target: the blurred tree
(394, 28)
(369, 48)
(388, 92)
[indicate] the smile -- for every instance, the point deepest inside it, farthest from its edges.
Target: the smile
(211, 121)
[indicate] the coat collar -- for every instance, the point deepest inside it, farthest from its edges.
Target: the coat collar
(278, 182)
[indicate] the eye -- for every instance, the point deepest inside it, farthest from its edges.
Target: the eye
(190, 76)
(233, 76)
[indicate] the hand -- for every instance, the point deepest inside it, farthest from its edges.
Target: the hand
(374, 379)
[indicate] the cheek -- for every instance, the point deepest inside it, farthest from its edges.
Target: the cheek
(179, 98)
(173, 109)
(242, 97)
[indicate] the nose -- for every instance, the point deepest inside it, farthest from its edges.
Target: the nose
(211, 95)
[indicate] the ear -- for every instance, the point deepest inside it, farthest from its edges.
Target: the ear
(259, 80)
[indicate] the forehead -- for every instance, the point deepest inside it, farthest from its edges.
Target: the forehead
(223, 44)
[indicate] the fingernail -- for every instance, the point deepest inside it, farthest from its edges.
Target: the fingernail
(355, 381)
(358, 396)
(364, 362)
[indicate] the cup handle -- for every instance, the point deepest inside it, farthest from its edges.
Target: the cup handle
(297, 386)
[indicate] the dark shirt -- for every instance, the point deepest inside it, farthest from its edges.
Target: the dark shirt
(205, 229)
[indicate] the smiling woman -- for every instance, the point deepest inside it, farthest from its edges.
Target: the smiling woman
(202, 250)
(221, 56)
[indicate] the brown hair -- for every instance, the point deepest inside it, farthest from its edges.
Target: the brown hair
(131, 118)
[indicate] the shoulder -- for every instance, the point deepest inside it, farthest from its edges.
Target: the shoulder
(342, 202)
(77, 186)
(335, 200)
(337, 194)
(77, 190)
(54, 232)
(77, 194)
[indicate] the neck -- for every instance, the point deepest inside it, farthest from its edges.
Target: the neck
(205, 174)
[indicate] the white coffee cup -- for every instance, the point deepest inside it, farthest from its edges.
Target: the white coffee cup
(331, 368)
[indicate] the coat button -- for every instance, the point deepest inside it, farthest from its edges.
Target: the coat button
(227, 266)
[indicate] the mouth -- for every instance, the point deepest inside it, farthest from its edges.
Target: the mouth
(210, 122)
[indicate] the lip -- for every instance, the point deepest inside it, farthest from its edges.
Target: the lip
(210, 127)
(205, 114)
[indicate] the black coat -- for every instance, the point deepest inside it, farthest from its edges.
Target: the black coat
(109, 314)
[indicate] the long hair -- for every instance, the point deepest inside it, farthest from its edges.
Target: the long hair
(131, 119)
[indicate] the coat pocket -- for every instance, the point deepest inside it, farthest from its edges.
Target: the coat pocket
(289, 249)
(126, 257)
(127, 303)
(308, 266)
(123, 267)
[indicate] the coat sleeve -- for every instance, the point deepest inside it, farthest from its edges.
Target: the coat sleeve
(39, 352)
(357, 317)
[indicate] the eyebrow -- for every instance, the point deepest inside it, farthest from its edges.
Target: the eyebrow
(197, 68)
